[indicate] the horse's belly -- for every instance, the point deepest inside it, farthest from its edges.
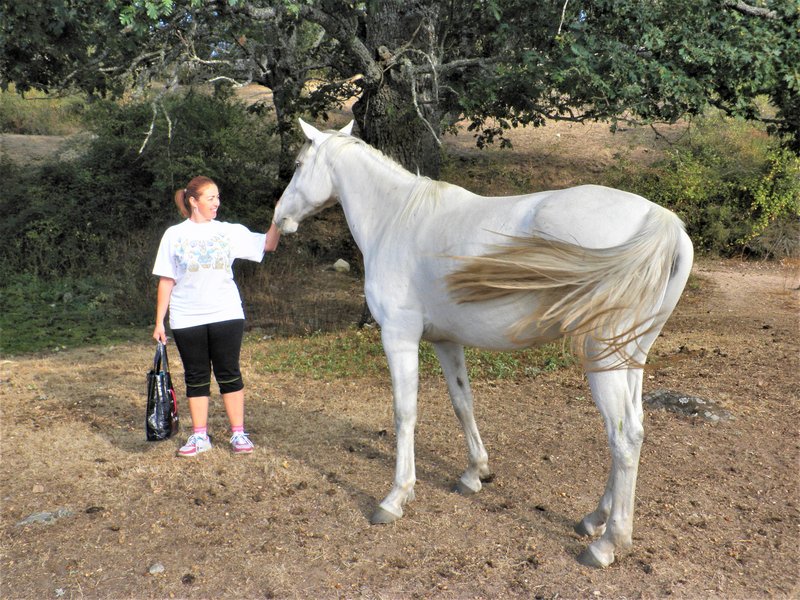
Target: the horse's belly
(487, 325)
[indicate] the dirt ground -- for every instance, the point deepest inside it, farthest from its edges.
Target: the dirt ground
(718, 505)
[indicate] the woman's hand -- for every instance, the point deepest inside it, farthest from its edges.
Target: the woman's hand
(160, 333)
(273, 236)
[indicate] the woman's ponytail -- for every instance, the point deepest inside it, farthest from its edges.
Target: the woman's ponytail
(192, 190)
(180, 202)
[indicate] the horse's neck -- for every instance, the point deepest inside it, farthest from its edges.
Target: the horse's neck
(373, 193)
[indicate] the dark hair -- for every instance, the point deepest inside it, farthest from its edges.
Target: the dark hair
(193, 189)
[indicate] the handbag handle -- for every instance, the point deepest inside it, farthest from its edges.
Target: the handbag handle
(160, 361)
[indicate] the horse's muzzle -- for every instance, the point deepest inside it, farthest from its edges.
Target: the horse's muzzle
(288, 225)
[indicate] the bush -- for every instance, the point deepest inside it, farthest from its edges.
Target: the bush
(99, 217)
(37, 314)
(731, 183)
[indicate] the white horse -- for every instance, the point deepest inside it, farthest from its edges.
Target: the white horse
(599, 265)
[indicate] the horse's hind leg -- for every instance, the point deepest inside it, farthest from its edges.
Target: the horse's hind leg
(618, 395)
(451, 356)
(594, 524)
(620, 407)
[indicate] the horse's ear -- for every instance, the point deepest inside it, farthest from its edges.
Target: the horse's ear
(347, 129)
(309, 131)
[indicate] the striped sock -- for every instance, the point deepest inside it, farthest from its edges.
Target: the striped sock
(200, 430)
(237, 429)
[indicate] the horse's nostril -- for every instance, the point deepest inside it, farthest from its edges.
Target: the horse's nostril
(288, 225)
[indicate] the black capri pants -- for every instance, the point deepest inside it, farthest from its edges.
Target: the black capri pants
(216, 345)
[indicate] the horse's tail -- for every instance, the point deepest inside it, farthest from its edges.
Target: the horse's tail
(604, 299)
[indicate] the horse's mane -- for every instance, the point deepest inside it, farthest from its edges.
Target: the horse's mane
(424, 189)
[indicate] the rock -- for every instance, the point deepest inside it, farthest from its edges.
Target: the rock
(341, 266)
(156, 569)
(696, 520)
(45, 517)
(690, 406)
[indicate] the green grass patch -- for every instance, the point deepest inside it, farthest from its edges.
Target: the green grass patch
(354, 353)
(39, 114)
(37, 316)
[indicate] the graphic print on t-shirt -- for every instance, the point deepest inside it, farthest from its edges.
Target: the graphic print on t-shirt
(195, 255)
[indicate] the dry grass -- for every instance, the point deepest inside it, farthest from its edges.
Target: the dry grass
(717, 505)
(718, 511)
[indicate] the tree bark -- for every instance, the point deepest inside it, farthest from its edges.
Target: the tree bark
(398, 110)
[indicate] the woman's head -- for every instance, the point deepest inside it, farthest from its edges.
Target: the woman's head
(200, 198)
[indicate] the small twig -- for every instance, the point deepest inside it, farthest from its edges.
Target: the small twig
(563, 12)
(152, 127)
(169, 121)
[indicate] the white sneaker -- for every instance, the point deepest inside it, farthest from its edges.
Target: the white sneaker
(241, 444)
(197, 443)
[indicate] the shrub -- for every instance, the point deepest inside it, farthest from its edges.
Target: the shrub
(37, 314)
(99, 216)
(730, 182)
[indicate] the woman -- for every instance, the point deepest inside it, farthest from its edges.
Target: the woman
(205, 310)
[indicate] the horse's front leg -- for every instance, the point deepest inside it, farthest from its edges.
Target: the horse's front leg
(451, 357)
(402, 354)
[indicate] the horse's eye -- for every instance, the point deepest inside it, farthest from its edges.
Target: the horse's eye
(297, 164)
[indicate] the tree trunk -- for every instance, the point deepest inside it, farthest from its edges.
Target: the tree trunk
(285, 120)
(398, 113)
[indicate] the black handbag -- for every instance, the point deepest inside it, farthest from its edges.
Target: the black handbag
(161, 418)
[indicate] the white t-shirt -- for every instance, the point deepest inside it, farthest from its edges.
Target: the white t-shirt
(199, 257)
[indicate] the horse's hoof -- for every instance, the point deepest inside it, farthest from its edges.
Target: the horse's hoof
(381, 516)
(581, 530)
(584, 528)
(589, 559)
(463, 489)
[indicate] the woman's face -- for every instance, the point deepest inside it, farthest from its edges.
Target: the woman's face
(206, 204)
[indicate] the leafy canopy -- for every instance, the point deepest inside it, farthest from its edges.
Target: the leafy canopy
(499, 63)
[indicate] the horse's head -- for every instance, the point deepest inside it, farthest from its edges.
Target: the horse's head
(311, 188)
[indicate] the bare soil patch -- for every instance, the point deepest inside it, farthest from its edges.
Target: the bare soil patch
(24, 149)
(557, 155)
(30, 150)
(717, 504)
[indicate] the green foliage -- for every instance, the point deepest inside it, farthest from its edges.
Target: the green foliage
(98, 218)
(498, 63)
(777, 194)
(37, 315)
(62, 44)
(728, 181)
(634, 60)
(358, 353)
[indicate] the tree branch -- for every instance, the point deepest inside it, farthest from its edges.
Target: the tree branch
(563, 12)
(463, 63)
(747, 9)
(259, 14)
(346, 37)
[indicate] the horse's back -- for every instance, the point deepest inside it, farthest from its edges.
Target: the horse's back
(591, 216)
